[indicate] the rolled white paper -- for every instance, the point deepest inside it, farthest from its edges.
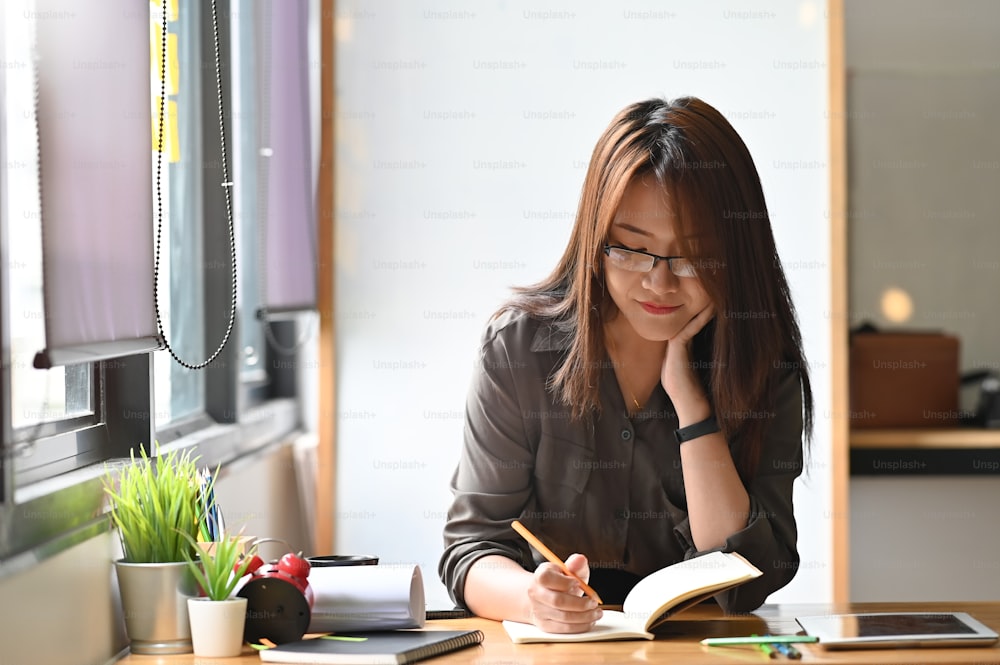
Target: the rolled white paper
(364, 598)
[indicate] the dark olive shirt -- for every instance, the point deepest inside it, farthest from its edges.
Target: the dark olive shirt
(607, 486)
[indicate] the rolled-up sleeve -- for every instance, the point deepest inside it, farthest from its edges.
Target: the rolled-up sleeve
(493, 480)
(769, 538)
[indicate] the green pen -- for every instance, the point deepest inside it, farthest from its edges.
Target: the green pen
(767, 649)
(759, 639)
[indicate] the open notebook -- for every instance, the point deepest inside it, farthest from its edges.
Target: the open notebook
(654, 599)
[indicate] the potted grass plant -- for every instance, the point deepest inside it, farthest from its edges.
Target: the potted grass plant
(155, 507)
(217, 617)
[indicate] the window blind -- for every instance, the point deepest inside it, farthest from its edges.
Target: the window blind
(285, 162)
(95, 140)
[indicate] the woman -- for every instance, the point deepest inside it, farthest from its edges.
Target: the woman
(646, 403)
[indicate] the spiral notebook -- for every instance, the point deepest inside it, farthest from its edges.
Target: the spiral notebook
(390, 647)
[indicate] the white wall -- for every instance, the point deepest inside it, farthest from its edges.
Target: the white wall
(464, 131)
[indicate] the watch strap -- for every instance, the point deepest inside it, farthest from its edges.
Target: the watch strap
(706, 426)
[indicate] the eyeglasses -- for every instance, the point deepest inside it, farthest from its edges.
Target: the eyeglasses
(636, 261)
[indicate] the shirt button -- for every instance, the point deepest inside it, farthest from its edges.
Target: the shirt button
(626, 435)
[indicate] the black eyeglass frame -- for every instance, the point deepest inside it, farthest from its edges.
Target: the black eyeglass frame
(656, 258)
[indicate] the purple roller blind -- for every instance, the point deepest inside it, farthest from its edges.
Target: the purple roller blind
(286, 158)
(94, 132)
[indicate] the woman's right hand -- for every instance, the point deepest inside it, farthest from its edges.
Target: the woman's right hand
(558, 604)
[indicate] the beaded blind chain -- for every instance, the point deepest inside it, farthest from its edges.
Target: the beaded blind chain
(226, 185)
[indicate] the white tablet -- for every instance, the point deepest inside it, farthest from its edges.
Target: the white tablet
(897, 630)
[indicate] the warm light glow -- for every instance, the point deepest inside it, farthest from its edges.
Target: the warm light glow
(344, 28)
(808, 14)
(897, 305)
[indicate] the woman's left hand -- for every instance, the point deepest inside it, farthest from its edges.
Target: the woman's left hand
(678, 377)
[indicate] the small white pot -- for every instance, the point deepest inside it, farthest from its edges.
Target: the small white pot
(217, 626)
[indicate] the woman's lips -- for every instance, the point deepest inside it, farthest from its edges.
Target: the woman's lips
(653, 308)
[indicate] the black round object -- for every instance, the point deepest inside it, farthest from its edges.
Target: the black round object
(276, 610)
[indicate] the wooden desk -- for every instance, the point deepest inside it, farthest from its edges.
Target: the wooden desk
(681, 644)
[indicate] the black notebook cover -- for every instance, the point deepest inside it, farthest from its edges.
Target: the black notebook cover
(400, 646)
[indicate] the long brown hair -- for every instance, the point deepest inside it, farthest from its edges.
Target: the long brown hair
(697, 156)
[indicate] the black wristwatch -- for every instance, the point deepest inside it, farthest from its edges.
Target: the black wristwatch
(706, 426)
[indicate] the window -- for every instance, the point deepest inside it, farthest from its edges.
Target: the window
(79, 414)
(249, 196)
(275, 96)
(180, 392)
(58, 400)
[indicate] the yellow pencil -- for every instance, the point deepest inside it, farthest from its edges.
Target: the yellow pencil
(548, 554)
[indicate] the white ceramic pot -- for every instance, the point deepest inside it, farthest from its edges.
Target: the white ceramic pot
(217, 626)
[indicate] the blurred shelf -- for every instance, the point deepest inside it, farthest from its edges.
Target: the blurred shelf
(925, 438)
